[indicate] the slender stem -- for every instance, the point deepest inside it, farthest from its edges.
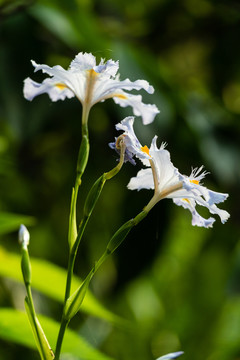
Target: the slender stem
(81, 165)
(82, 161)
(34, 316)
(64, 324)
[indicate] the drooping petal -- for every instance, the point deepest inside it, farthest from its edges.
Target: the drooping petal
(191, 183)
(61, 81)
(143, 180)
(56, 70)
(197, 219)
(146, 111)
(54, 90)
(223, 214)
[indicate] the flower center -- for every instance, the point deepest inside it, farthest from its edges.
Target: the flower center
(145, 149)
(91, 79)
(92, 73)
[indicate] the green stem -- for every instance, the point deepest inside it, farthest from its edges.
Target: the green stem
(82, 161)
(34, 316)
(73, 252)
(72, 234)
(72, 257)
(63, 327)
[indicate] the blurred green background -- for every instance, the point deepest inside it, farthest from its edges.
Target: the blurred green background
(178, 285)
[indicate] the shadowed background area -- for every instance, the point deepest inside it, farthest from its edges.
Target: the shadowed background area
(177, 284)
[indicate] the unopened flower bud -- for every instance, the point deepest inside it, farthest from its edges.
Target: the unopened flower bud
(23, 236)
(171, 356)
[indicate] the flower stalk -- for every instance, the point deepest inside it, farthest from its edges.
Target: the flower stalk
(89, 205)
(43, 346)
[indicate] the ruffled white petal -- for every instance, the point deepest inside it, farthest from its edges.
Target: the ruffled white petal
(83, 61)
(104, 84)
(32, 89)
(54, 86)
(143, 180)
(197, 219)
(57, 70)
(169, 183)
(146, 111)
(224, 215)
(110, 68)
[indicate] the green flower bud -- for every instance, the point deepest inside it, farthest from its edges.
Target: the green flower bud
(26, 267)
(23, 238)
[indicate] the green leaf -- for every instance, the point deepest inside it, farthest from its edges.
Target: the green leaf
(11, 222)
(38, 333)
(50, 280)
(57, 22)
(14, 327)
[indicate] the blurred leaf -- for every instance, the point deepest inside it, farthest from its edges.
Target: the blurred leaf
(14, 327)
(58, 23)
(10, 6)
(11, 222)
(75, 27)
(50, 280)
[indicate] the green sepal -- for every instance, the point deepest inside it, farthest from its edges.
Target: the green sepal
(119, 236)
(122, 232)
(26, 267)
(93, 195)
(83, 155)
(43, 346)
(74, 302)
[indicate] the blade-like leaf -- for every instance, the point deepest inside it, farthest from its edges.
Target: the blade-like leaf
(50, 280)
(38, 334)
(14, 327)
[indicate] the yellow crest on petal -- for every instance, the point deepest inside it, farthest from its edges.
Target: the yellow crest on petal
(195, 182)
(60, 86)
(120, 96)
(145, 149)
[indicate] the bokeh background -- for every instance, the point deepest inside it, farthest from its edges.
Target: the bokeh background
(178, 285)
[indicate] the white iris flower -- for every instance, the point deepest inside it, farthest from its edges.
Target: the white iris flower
(167, 182)
(91, 83)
